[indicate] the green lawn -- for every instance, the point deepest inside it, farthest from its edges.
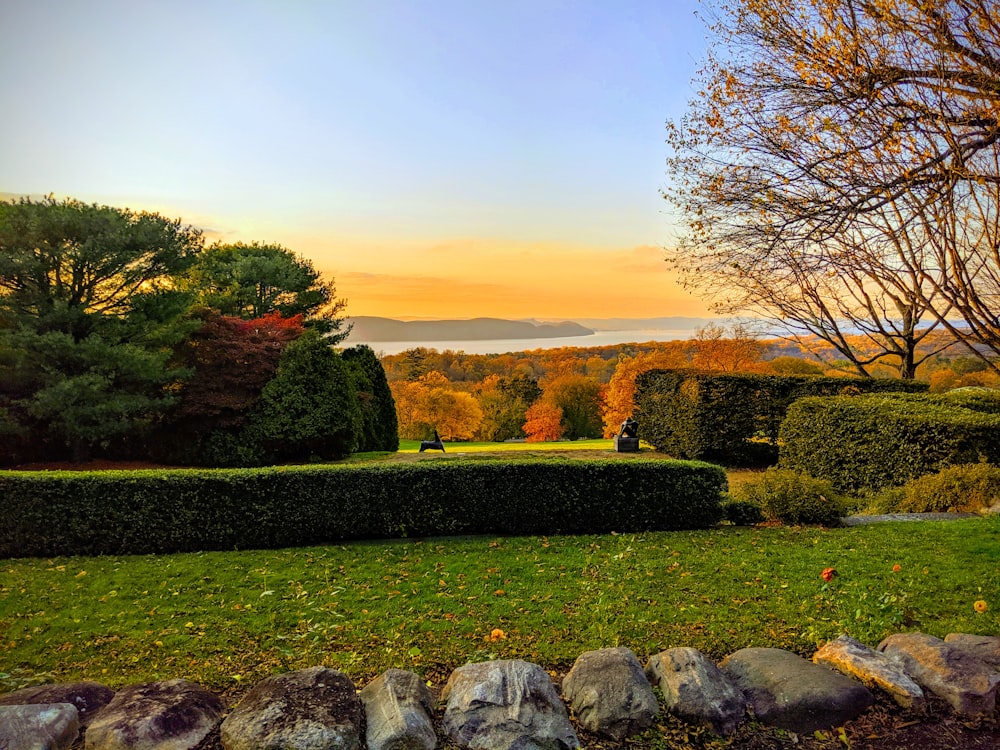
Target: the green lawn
(227, 619)
(413, 446)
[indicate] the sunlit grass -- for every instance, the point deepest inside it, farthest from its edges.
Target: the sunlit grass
(227, 618)
(606, 444)
(583, 448)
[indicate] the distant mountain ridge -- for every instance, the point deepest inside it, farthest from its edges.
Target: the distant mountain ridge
(370, 328)
(672, 323)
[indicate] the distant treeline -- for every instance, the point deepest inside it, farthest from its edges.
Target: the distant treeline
(574, 392)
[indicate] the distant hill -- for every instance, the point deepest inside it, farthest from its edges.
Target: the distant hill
(674, 323)
(372, 329)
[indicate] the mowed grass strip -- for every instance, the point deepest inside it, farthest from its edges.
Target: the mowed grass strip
(409, 450)
(228, 619)
(606, 444)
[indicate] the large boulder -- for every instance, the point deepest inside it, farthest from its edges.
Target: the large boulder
(167, 715)
(696, 690)
(609, 693)
(398, 709)
(790, 692)
(986, 648)
(873, 668)
(310, 709)
(506, 705)
(88, 697)
(53, 726)
(950, 672)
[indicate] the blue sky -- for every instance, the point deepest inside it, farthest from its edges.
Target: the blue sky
(439, 158)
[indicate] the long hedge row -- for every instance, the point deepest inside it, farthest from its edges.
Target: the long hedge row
(70, 513)
(876, 441)
(732, 418)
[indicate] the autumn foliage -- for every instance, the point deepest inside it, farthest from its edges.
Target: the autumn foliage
(430, 403)
(619, 398)
(543, 422)
(230, 360)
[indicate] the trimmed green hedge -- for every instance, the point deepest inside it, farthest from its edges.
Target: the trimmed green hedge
(732, 419)
(876, 441)
(70, 513)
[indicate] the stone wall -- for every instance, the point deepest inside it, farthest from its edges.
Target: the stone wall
(512, 704)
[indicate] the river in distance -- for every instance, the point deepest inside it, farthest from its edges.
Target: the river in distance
(502, 346)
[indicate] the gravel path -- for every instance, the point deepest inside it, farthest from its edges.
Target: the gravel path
(863, 520)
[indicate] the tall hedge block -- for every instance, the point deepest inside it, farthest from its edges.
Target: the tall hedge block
(734, 419)
(876, 441)
(141, 512)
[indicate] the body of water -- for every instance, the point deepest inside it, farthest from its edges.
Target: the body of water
(502, 346)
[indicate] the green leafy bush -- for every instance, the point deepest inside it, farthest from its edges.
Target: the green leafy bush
(732, 419)
(969, 487)
(876, 441)
(985, 400)
(310, 407)
(791, 497)
(741, 512)
(140, 512)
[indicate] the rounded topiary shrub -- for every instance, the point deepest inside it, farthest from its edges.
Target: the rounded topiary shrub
(791, 497)
(963, 488)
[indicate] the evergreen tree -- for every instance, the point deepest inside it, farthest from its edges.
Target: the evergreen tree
(378, 409)
(88, 311)
(310, 408)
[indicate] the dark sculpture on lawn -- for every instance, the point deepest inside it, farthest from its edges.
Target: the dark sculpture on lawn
(627, 439)
(432, 445)
(630, 428)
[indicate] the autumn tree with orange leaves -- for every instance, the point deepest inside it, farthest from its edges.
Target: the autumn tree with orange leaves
(431, 403)
(543, 421)
(619, 398)
(840, 172)
(721, 349)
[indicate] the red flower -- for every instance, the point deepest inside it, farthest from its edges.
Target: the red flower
(828, 574)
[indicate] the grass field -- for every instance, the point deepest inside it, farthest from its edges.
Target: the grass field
(602, 444)
(228, 619)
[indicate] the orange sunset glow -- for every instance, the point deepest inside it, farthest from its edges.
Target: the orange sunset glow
(401, 148)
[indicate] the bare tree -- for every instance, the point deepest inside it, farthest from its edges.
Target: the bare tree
(838, 171)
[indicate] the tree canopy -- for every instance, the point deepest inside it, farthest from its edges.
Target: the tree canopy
(839, 171)
(120, 335)
(66, 265)
(87, 312)
(253, 280)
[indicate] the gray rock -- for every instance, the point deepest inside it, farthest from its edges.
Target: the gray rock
(88, 697)
(310, 709)
(986, 648)
(874, 669)
(951, 673)
(167, 715)
(790, 692)
(53, 726)
(609, 693)
(506, 705)
(696, 690)
(398, 709)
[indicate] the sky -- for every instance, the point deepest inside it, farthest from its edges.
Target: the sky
(438, 159)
